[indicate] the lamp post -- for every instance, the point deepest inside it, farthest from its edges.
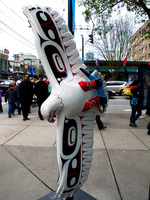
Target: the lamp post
(82, 48)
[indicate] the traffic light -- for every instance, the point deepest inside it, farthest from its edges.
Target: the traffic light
(91, 38)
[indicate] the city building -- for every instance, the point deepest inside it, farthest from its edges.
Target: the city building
(4, 64)
(25, 64)
(139, 44)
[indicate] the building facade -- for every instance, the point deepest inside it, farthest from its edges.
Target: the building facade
(25, 64)
(139, 44)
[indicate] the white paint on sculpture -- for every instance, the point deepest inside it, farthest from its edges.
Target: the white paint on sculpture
(75, 99)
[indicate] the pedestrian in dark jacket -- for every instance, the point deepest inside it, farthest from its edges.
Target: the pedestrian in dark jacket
(136, 102)
(18, 97)
(1, 92)
(11, 97)
(41, 91)
(26, 95)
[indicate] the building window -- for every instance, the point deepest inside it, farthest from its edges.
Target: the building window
(135, 47)
(143, 58)
(143, 41)
(143, 50)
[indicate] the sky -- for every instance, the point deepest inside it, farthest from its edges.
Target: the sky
(17, 37)
(15, 34)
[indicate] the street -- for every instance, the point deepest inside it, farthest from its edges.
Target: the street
(119, 101)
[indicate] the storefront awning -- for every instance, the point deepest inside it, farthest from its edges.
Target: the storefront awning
(132, 70)
(129, 70)
(101, 69)
(107, 70)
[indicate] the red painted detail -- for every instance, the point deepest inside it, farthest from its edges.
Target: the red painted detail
(89, 104)
(66, 46)
(87, 85)
(63, 37)
(60, 29)
(69, 56)
(74, 74)
(83, 125)
(83, 134)
(81, 117)
(72, 65)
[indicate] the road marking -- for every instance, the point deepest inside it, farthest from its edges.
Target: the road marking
(127, 110)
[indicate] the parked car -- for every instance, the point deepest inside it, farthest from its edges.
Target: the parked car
(111, 93)
(117, 86)
(127, 90)
(4, 84)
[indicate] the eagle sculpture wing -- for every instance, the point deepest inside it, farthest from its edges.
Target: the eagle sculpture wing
(75, 99)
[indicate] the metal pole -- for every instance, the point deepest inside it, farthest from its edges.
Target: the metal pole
(71, 15)
(82, 48)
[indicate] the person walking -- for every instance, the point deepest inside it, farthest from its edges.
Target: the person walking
(99, 123)
(18, 97)
(11, 96)
(136, 102)
(1, 108)
(41, 91)
(26, 95)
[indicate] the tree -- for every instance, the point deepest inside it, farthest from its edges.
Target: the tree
(111, 39)
(105, 8)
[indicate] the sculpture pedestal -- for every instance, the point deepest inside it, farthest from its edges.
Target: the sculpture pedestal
(79, 195)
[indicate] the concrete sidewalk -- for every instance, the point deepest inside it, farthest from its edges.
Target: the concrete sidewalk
(121, 158)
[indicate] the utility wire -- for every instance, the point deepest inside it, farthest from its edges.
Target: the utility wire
(16, 32)
(6, 16)
(61, 3)
(16, 38)
(11, 10)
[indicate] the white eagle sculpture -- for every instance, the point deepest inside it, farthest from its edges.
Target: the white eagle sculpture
(76, 98)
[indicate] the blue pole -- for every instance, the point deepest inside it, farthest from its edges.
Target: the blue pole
(71, 15)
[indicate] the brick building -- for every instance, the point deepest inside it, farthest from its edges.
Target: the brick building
(139, 44)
